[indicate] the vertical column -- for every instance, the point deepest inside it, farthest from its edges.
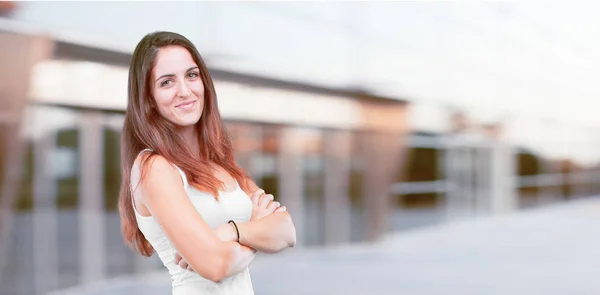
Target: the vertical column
(497, 178)
(444, 192)
(461, 165)
(452, 181)
(383, 160)
(482, 177)
(459, 168)
(504, 191)
(546, 193)
(19, 55)
(291, 180)
(91, 209)
(470, 188)
(45, 227)
(511, 190)
(337, 176)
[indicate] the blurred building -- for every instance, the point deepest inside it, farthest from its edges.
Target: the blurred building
(349, 163)
(327, 154)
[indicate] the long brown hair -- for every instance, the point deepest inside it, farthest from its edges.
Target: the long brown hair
(145, 128)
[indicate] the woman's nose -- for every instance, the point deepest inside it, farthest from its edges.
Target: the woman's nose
(184, 90)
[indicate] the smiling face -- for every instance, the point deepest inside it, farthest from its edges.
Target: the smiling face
(177, 87)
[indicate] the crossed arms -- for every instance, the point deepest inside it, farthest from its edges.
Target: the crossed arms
(213, 253)
(270, 230)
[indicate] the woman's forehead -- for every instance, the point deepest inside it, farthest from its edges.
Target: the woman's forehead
(172, 60)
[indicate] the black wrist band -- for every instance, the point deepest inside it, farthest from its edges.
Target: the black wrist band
(237, 231)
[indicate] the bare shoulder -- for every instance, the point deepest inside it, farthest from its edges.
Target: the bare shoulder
(152, 163)
(150, 170)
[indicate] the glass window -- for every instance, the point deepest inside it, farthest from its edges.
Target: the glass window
(422, 165)
(64, 159)
(268, 177)
(256, 149)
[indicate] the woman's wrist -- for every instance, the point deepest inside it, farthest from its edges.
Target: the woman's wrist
(234, 231)
(243, 231)
(226, 233)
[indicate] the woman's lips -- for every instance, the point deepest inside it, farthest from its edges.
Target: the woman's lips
(186, 105)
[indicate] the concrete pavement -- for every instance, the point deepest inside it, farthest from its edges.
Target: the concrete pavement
(552, 250)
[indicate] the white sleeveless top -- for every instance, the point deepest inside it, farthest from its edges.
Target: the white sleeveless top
(235, 206)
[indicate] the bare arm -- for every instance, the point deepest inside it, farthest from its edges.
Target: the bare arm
(268, 243)
(270, 234)
(246, 257)
(208, 255)
(226, 232)
(270, 229)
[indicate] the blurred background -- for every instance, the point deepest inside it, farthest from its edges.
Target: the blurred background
(380, 125)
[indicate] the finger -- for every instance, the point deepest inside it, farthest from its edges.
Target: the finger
(177, 258)
(183, 264)
(281, 209)
(256, 195)
(265, 199)
(273, 206)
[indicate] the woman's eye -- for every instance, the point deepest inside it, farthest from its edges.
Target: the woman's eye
(165, 83)
(193, 75)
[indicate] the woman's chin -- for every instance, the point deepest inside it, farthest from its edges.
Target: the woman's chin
(187, 120)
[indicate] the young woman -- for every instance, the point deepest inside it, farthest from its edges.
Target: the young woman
(182, 194)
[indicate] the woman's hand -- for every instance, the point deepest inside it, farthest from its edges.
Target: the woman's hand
(263, 205)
